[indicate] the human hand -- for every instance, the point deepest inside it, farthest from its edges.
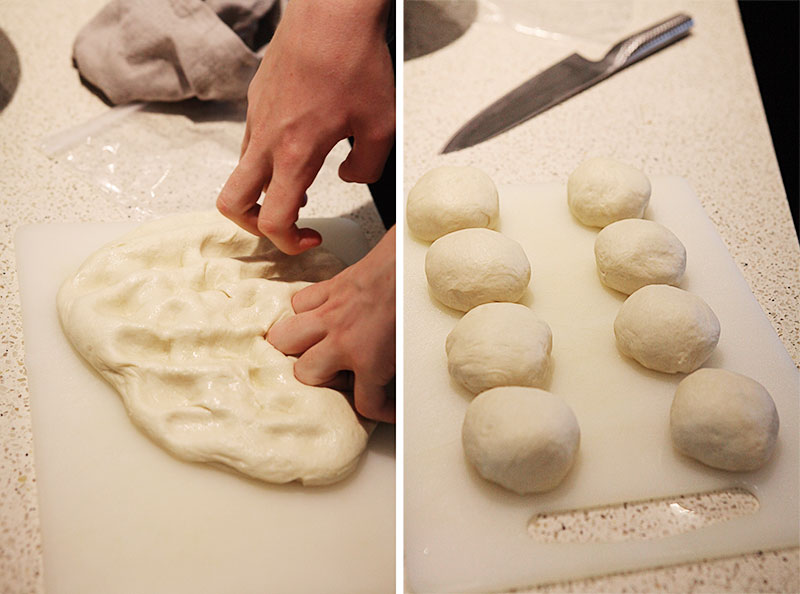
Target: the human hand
(326, 75)
(348, 323)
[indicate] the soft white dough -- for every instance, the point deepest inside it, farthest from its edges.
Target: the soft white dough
(175, 314)
(601, 191)
(524, 439)
(666, 329)
(724, 419)
(449, 198)
(633, 253)
(474, 266)
(499, 344)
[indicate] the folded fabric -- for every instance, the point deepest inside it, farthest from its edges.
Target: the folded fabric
(170, 50)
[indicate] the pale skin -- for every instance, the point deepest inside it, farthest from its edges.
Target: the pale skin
(326, 76)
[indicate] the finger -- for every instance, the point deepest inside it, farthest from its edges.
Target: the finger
(245, 141)
(278, 217)
(310, 297)
(373, 402)
(318, 365)
(296, 334)
(367, 158)
(238, 198)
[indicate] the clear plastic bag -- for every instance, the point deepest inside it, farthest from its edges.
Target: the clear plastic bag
(598, 21)
(154, 159)
(585, 25)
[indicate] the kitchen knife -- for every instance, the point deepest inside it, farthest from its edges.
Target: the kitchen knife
(567, 78)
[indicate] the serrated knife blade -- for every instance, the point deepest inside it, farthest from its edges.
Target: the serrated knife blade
(565, 79)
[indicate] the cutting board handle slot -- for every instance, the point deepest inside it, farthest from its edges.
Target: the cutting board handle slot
(624, 522)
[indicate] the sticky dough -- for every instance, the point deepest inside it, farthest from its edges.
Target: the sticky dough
(174, 315)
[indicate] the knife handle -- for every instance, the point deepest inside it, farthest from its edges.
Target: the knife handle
(642, 44)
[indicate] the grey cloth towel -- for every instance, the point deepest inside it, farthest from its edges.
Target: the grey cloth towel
(170, 50)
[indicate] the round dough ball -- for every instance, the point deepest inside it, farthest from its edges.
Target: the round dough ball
(474, 266)
(633, 253)
(499, 344)
(666, 329)
(724, 419)
(447, 199)
(601, 191)
(523, 439)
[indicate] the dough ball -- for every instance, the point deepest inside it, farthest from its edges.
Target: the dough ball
(447, 199)
(523, 439)
(633, 253)
(724, 419)
(666, 329)
(499, 344)
(601, 191)
(474, 266)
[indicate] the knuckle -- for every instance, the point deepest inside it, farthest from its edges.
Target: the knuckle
(268, 225)
(230, 205)
(291, 154)
(222, 205)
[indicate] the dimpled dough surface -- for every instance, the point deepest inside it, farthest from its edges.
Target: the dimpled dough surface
(174, 315)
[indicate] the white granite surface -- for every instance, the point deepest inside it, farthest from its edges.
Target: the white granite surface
(692, 110)
(36, 189)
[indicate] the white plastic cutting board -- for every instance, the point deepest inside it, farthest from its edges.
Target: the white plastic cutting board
(463, 534)
(121, 515)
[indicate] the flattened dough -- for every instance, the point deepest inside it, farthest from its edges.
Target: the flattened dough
(174, 315)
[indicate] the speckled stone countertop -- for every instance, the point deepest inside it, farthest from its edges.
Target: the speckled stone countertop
(36, 189)
(692, 110)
